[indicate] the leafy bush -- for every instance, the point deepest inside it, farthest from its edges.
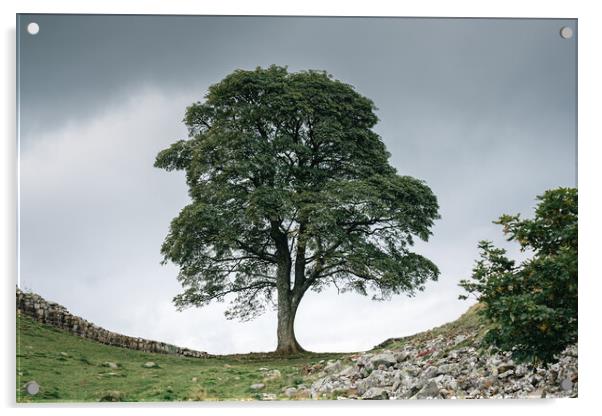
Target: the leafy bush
(532, 306)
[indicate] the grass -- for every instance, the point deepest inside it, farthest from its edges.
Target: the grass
(470, 322)
(73, 369)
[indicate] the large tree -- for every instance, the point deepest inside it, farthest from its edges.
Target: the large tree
(291, 190)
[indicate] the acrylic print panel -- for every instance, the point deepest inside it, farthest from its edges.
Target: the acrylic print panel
(296, 208)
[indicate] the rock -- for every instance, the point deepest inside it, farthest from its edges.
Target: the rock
(290, 392)
(566, 384)
(109, 374)
(427, 368)
(536, 394)
(487, 382)
(520, 370)
(387, 359)
(402, 356)
(110, 365)
(458, 339)
(378, 378)
(64, 354)
(505, 367)
(268, 396)
(351, 371)
(112, 396)
(375, 393)
(409, 391)
(429, 391)
(150, 364)
(431, 372)
(333, 367)
(194, 379)
(302, 393)
(506, 374)
(272, 375)
(257, 386)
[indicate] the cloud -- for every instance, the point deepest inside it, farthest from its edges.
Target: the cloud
(487, 127)
(94, 213)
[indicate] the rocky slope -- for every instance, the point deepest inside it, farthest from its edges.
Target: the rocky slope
(444, 363)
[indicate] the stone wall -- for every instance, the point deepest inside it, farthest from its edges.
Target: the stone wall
(51, 313)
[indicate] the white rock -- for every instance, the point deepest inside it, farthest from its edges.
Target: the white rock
(376, 393)
(386, 358)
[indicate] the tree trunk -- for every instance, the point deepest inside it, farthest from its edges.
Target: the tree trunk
(288, 299)
(287, 309)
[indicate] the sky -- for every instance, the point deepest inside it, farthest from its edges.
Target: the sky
(483, 110)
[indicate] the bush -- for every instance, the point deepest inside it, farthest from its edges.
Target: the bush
(533, 306)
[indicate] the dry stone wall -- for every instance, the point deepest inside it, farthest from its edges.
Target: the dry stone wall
(53, 314)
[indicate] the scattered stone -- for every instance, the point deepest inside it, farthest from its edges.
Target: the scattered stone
(376, 393)
(110, 365)
(272, 375)
(257, 386)
(150, 364)
(290, 392)
(333, 367)
(459, 339)
(429, 391)
(505, 367)
(431, 372)
(487, 382)
(447, 368)
(402, 356)
(303, 393)
(112, 396)
(351, 372)
(387, 359)
(536, 394)
(268, 396)
(506, 374)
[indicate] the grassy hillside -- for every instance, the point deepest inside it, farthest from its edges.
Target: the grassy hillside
(69, 368)
(469, 322)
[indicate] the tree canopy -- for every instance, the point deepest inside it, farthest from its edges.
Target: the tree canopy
(291, 189)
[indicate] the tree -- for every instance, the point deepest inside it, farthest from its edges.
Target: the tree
(533, 306)
(291, 190)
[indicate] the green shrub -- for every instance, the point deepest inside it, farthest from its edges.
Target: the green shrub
(532, 306)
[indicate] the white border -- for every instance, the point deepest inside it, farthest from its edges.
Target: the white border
(590, 68)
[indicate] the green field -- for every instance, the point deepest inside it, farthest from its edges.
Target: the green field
(72, 369)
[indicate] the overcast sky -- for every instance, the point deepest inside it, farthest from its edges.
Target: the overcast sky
(483, 110)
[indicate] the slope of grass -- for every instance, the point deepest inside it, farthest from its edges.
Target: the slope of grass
(73, 369)
(69, 368)
(469, 322)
